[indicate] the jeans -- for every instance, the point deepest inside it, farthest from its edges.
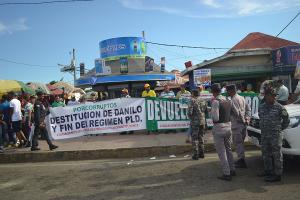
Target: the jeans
(43, 131)
(189, 132)
(1, 135)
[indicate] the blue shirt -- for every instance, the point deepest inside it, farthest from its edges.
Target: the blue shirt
(5, 109)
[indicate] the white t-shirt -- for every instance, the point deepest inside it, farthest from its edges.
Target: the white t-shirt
(17, 114)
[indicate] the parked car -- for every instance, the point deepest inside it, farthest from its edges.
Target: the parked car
(291, 135)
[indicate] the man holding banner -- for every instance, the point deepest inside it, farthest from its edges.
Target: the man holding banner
(196, 113)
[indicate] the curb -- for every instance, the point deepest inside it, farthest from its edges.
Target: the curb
(25, 157)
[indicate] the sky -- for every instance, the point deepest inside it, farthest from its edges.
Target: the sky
(44, 35)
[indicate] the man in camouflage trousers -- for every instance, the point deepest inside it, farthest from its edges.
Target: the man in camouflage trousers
(196, 113)
(273, 119)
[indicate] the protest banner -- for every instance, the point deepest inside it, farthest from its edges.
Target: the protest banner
(116, 115)
(252, 100)
(126, 114)
(165, 114)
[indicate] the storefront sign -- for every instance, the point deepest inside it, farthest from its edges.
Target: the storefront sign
(285, 59)
(122, 47)
(202, 77)
(109, 116)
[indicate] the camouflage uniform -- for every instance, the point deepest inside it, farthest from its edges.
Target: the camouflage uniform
(273, 119)
(196, 113)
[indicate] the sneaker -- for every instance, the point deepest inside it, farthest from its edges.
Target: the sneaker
(225, 177)
(240, 163)
(35, 149)
(52, 147)
(1, 150)
(274, 178)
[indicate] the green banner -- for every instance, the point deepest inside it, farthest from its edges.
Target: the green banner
(164, 114)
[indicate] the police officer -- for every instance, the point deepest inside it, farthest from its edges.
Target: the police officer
(196, 113)
(221, 131)
(273, 119)
(239, 117)
(40, 113)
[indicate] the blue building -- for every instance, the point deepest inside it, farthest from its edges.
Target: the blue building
(123, 64)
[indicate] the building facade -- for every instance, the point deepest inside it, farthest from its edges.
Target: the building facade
(123, 63)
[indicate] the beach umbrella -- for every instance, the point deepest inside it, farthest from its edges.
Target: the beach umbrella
(68, 88)
(39, 87)
(54, 90)
(14, 86)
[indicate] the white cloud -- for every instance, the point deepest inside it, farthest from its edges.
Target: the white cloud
(211, 3)
(141, 5)
(14, 26)
(212, 8)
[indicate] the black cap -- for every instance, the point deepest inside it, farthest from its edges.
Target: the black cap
(12, 94)
(280, 81)
(195, 92)
(270, 91)
(39, 93)
(216, 87)
(231, 87)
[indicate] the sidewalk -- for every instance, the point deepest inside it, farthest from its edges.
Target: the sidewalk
(107, 146)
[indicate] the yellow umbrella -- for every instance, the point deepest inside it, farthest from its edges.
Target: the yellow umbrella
(14, 86)
(9, 85)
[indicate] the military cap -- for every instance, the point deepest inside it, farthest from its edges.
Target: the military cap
(270, 91)
(216, 87)
(231, 87)
(39, 93)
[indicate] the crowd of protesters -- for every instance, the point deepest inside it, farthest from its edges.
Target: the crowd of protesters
(22, 117)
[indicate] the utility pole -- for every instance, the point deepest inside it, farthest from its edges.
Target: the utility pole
(74, 65)
(70, 68)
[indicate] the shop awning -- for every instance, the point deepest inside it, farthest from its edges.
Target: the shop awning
(94, 80)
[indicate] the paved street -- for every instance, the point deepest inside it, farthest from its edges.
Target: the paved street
(163, 178)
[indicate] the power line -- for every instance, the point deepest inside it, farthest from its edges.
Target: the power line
(288, 24)
(184, 46)
(31, 65)
(42, 2)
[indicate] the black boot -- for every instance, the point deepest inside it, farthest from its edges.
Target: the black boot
(274, 178)
(201, 155)
(35, 149)
(241, 163)
(195, 157)
(225, 177)
(51, 147)
(232, 173)
(265, 173)
(28, 144)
